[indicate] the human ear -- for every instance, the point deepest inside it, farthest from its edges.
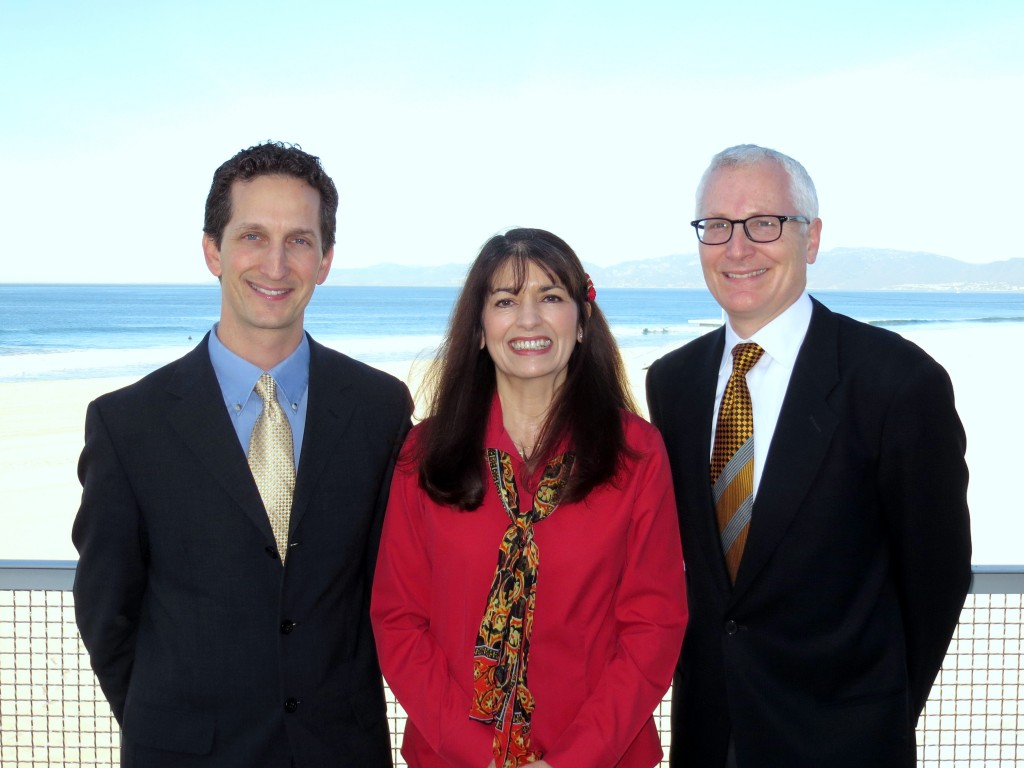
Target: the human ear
(212, 254)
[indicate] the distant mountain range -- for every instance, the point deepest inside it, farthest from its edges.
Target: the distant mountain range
(847, 269)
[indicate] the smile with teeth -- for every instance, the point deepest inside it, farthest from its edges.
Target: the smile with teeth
(745, 275)
(526, 345)
(268, 291)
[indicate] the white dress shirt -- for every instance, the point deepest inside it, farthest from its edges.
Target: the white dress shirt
(768, 380)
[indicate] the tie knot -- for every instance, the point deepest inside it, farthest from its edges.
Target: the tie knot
(744, 356)
(266, 388)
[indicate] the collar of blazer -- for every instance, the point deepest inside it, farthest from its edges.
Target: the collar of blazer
(197, 413)
(802, 436)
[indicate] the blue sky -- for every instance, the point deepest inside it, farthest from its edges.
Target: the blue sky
(445, 122)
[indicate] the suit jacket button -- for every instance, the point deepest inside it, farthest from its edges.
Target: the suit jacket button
(730, 627)
(287, 626)
(271, 552)
(290, 705)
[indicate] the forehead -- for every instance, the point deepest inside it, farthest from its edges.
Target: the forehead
(740, 191)
(274, 196)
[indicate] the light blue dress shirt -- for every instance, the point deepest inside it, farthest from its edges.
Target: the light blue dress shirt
(238, 377)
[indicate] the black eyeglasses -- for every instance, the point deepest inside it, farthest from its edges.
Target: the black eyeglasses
(760, 229)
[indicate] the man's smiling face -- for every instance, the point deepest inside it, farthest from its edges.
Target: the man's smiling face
(269, 261)
(755, 282)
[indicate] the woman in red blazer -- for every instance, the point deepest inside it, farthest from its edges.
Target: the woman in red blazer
(533, 458)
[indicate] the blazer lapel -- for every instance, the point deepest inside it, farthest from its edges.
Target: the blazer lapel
(327, 414)
(706, 521)
(688, 406)
(198, 415)
(802, 436)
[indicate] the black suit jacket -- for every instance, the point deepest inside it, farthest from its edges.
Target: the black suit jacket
(209, 652)
(857, 561)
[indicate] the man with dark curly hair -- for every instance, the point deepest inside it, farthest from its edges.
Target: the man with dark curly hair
(232, 505)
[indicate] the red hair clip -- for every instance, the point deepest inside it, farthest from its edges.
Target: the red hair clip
(591, 293)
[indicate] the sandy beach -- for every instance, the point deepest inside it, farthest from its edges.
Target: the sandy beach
(44, 428)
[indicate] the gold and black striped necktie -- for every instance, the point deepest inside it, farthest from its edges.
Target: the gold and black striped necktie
(732, 458)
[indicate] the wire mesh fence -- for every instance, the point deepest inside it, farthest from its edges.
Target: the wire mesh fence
(52, 712)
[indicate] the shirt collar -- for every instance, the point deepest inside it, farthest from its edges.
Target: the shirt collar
(781, 338)
(238, 376)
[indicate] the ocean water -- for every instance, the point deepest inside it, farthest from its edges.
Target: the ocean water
(81, 331)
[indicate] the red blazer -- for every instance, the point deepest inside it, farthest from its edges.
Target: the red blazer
(610, 613)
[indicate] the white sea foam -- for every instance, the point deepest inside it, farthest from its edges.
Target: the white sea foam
(86, 363)
(95, 363)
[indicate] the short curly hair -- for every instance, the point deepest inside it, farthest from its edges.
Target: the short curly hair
(269, 159)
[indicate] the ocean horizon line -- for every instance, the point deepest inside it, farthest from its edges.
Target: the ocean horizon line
(213, 283)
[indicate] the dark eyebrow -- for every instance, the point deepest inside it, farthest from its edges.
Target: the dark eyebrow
(543, 289)
(244, 226)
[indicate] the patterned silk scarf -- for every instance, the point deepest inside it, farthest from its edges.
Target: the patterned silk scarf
(500, 695)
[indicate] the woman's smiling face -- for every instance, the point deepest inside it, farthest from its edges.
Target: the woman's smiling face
(531, 333)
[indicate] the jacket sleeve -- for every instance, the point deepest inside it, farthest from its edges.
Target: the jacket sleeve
(111, 575)
(653, 405)
(650, 613)
(373, 542)
(923, 484)
(413, 663)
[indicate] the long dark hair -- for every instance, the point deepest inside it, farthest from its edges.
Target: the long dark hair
(587, 407)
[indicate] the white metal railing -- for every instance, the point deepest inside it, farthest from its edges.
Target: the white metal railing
(52, 712)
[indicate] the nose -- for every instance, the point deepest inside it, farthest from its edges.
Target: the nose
(739, 245)
(275, 262)
(529, 314)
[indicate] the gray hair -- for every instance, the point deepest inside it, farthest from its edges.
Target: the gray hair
(801, 188)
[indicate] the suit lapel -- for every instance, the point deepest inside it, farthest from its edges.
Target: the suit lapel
(327, 414)
(688, 405)
(706, 522)
(198, 415)
(802, 436)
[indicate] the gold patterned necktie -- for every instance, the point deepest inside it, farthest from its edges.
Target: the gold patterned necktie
(732, 458)
(272, 461)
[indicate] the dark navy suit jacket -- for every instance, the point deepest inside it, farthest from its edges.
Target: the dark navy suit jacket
(856, 566)
(209, 652)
